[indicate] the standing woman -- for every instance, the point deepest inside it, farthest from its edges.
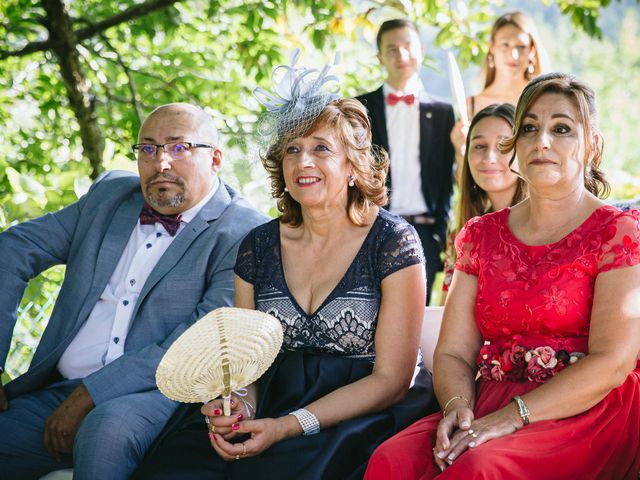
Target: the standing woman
(515, 56)
(545, 306)
(487, 183)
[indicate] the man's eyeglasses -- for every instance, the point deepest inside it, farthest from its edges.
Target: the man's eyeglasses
(176, 150)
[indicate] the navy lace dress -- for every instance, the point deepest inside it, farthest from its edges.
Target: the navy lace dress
(322, 351)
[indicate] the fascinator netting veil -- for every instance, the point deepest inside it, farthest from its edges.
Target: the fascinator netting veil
(299, 96)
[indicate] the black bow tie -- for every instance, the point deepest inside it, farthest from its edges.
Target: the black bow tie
(171, 223)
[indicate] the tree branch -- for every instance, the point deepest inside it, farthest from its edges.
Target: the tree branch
(129, 14)
(63, 44)
(130, 80)
(87, 32)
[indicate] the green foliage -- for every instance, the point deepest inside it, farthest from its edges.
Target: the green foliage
(608, 65)
(209, 52)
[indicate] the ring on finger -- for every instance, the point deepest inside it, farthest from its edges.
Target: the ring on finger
(474, 434)
(210, 426)
(237, 457)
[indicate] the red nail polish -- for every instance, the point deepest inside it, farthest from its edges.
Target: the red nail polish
(240, 417)
(211, 436)
(235, 426)
(217, 411)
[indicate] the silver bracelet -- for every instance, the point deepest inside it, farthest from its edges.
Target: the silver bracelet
(307, 420)
(523, 411)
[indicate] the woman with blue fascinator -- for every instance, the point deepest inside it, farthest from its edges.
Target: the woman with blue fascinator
(345, 278)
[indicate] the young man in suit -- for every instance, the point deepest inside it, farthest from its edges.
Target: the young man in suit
(414, 128)
(146, 257)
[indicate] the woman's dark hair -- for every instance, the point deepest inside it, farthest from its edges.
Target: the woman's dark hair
(348, 118)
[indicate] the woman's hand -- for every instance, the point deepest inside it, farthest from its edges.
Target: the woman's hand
(264, 433)
(458, 138)
(495, 425)
(457, 420)
(226, 426)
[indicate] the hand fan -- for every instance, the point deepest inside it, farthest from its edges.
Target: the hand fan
(224, 351)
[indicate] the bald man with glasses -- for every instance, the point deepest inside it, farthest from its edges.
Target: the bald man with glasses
(146, 256)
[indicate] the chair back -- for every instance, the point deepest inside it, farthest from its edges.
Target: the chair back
(430, 332)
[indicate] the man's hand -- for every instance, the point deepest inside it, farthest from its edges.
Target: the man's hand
(62, 425)
(4, 403)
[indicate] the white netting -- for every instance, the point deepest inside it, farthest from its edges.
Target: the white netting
(299, 96)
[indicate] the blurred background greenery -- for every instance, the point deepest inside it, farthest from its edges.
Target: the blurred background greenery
(77, 77)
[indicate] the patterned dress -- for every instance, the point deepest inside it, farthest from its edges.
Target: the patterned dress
(322, 351)
(533, 309)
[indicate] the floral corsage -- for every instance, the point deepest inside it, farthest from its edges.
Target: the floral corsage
(517, 363)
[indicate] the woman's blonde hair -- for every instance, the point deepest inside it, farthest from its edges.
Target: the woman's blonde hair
(348, 118)
(518, 19)
(584, 99)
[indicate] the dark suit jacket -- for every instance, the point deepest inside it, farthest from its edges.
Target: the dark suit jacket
(436, 151)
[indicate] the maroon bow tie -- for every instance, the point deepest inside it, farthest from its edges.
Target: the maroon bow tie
(171, 223)
(392, 99)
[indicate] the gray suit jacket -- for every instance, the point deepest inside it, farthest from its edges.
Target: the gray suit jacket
(194, 276)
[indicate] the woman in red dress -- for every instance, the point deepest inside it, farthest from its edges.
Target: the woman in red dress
(545, 306)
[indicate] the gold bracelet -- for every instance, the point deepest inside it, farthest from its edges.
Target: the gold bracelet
(444, 410)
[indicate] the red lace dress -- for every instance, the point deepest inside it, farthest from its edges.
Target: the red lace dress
(533, 309)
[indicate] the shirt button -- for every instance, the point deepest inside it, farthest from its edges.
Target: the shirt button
(132, 282)
(149, 245)
(125, 302)
(116, 339)
(158, 234)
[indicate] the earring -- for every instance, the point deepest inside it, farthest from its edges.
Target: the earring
(490, 60)
(286, 190)
(351, 181)
(531, 67)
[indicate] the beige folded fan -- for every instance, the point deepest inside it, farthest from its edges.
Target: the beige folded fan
(224, 351)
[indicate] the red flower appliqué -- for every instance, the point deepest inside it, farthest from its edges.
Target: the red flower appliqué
(517, 363)
(628, 250)
(556, 299)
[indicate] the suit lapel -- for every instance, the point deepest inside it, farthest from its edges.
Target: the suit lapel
(426, 140)
(212, 210)
(379, 119)
(115, 240)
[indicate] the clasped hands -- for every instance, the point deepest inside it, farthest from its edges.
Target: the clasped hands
(459, 430)
(223, 430)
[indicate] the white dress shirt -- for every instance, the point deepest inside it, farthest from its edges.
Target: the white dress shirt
(403, 131)
(102, 337)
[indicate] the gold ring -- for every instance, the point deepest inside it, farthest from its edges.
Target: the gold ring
(237, 457)
(210, 426)
(474, 434)
(244, 449)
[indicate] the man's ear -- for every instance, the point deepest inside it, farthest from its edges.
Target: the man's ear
(216, 159)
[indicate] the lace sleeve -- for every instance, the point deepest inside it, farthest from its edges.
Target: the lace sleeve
(245, 266)
(467, 249)
(623, 248)
(401, 248)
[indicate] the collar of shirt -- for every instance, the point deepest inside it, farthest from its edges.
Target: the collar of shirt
(414, 86)
(188, 215)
